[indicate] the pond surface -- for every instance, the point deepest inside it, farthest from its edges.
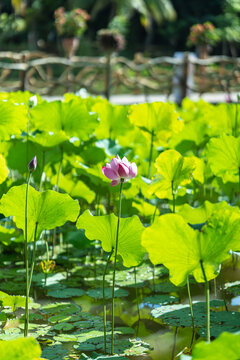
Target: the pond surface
(77, 280)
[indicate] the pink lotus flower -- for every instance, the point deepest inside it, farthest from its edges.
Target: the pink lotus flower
(119, 169)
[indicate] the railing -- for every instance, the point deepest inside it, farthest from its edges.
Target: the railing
(180, 75)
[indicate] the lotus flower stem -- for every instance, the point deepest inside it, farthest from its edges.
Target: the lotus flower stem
(150, 155)
(115, 261)
(104, 303)
(173, 198)
(33, 258)
(174, 343)
(43, 165)
(191, 311)
(207, 302)
(136, 289)
(57, 189)
(26, 259)
(46, 273)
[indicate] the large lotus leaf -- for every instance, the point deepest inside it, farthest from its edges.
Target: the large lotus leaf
(3, 169)
(173, 169)
(228, 119)
(6, 235)
(71, 118)
(13, 301)
(202, 213)
(104, 228)
(226, 347)
(113, 120)
(19, 97)
(48, 209)
(13, 119)
(224, 157)
(179, 315)
(76, 189)
(195, 129)
(172, 242)
(158, 117)
(20, 349)
(49, 139)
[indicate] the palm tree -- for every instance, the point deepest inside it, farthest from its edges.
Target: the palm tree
(149, 10)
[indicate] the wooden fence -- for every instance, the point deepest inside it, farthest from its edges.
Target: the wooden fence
(178, 75)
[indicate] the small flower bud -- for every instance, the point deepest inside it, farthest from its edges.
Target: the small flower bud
(33, 164)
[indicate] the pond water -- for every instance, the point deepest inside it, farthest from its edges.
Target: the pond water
(134, 314)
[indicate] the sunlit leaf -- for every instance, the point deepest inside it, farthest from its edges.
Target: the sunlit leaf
(70, 119)
(172, 242)
(20, 349)
(3, 169)
(13, 119)
(104, 228)
(226, 347)
(224, 157)
(48, 209)
(158, 117)
(173, 170)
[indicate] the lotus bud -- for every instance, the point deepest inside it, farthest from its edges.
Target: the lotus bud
(32, 165)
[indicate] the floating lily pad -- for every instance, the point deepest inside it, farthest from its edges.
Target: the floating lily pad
(54, 352)
(159, 300)
(165, 287)
(63, 308)
(64, 326)
(66, 293)
(98, 293)
(179, 315)
(233, 288)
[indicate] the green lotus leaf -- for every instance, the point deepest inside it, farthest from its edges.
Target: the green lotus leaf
(6, 235)
(158, 117)
(164, 287)
(202, 213)
(20, 349)
(71, 118)
(228, 119)
(66, 293)
(13, 119)
(113, 120)
(226, 347)
(98, 293)
(48, 209)
(60, 308)
(173, 170)
(223, 155)
(76, 189)
(233, 288)
(13, 301)
(179, 314)
(104, 228)
(172, 242)
(19, 97)
(3, 169)
(159, 300)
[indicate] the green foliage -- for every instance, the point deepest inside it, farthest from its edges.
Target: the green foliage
(174, 172)
(20, 349)
(227, 346)
(48, 209)
(13, 301)
(182, 249)
(224, 159)
(104, 228)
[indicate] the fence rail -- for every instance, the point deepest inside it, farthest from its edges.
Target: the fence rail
(178, 75)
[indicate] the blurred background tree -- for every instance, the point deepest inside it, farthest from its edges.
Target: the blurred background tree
(154, 27)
